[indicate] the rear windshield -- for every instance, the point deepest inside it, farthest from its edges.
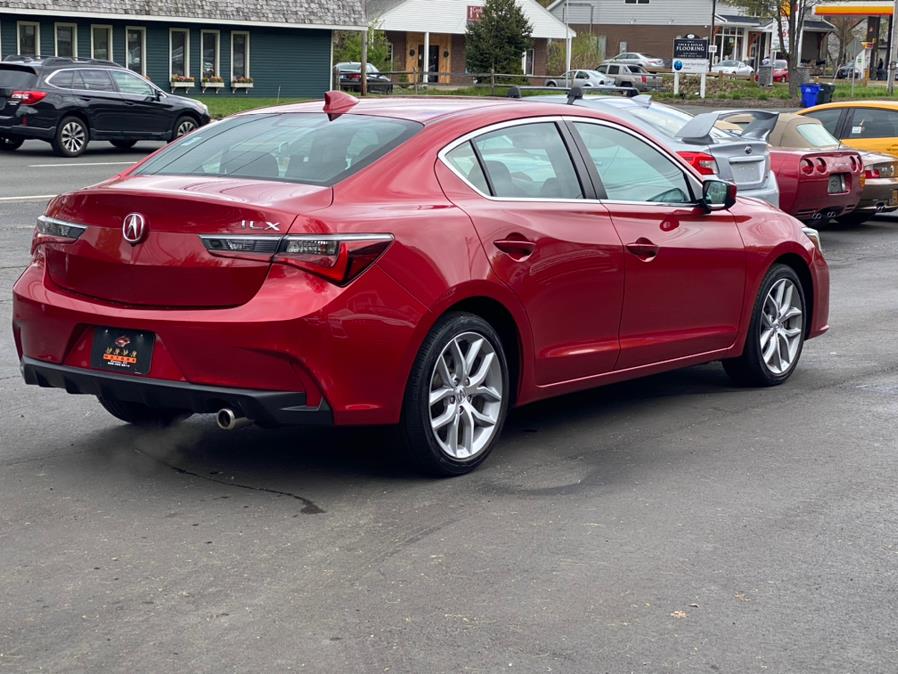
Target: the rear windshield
(816, 135)
(290, 147)
(16, 78)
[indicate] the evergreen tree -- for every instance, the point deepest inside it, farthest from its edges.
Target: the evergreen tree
(497, 41)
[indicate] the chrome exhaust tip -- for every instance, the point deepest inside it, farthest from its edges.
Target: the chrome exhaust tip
(228, 420)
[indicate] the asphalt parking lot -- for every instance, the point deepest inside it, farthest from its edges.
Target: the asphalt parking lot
(670, 524)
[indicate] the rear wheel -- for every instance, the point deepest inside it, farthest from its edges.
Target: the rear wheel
(457, 396)
(776, 333)
(184, 125)
(8, 144)
(71, 137)
(139, 414)
(123, 144)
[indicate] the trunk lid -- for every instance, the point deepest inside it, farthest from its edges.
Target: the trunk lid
(170, 266)
(14, 77)
(744, 162)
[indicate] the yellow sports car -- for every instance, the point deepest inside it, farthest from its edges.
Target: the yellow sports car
(865, 125)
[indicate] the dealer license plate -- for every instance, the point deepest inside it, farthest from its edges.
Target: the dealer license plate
(124, 351)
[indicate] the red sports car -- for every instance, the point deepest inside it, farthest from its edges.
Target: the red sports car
(425, 262)
(818, 178)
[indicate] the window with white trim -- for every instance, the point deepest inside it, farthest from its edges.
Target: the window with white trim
(66, 39)
(28, 38)
(209, 41)
(101, 42)
(179, 52)
(136, 49)
(239, 56)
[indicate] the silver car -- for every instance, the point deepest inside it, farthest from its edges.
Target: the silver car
(581, 78)
(742, 159)
(632, 76)
(651, 63)
(733, 67)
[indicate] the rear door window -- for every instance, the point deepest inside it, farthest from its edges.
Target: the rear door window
(290, 147)
(829, 119)
(96, 80)
(529, 161)
(17, 78)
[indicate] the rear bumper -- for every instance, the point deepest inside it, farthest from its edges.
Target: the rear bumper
(878, 195)
(12, 127)
(277, 408)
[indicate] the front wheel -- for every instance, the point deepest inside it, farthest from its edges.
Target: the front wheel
(457, 396)
(776, 333)
(8, 144)
(184, 125)
(139, 414)
(71, 137)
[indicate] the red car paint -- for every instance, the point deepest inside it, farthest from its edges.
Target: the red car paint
(585, 308)
(803, 179)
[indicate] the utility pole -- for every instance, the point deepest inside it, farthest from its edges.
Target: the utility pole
(363, 66)
(713, 28)
(567, 42)
(892, 36)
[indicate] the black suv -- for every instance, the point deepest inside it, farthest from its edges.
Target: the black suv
(69, 102)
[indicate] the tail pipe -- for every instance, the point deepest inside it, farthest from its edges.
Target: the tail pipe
(228, 420)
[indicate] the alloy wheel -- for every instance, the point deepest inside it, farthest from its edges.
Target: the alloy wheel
(465, 395)
(782, 325)
(185, 127)
(73, 137)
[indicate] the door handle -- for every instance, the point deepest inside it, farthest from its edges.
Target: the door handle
(643, 249)
(517, 248)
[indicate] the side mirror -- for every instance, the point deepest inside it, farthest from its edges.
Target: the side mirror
(717, 195)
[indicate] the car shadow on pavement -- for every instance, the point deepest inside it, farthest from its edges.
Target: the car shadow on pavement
(258, 459)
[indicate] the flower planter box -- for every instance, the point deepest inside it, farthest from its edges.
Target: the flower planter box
(212, 85)
(237, 86)
(186, 85)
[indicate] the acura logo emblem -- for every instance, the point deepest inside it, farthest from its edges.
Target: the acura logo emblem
(134, 228)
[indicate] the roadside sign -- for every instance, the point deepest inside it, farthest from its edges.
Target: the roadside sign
(690, 65)
(690, 48)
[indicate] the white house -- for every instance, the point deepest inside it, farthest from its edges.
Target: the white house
(436, 28)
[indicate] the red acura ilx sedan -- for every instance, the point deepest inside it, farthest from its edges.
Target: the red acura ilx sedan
(425, 262)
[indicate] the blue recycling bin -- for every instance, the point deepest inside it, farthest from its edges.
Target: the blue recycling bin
(809, 94)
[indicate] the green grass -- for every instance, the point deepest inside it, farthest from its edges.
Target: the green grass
(223, 105)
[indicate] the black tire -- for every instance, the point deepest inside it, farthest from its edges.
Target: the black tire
(72, 137)
(142, 415)
(183, 125)
(419, 439)
(551, 84)
(8, 144)
(123, 144)
(750, 369)
(854, 219)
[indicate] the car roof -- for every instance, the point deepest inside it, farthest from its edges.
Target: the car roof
(57, 62)
(429, 109)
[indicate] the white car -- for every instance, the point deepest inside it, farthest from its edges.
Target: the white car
(732, 67)
(650, 63)
(582, 78)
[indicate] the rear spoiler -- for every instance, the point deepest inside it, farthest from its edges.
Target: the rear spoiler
(698, 130)
(574, 93)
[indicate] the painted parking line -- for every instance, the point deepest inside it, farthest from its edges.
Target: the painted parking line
(31, 197)
(82, 163)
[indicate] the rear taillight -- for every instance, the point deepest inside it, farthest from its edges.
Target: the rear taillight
(51, 230)
(821, 165)
(27, 97)
(807, 166)
(355, 76)
(872, 173)
(645, 79)
(701, 162)
(337, 257)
